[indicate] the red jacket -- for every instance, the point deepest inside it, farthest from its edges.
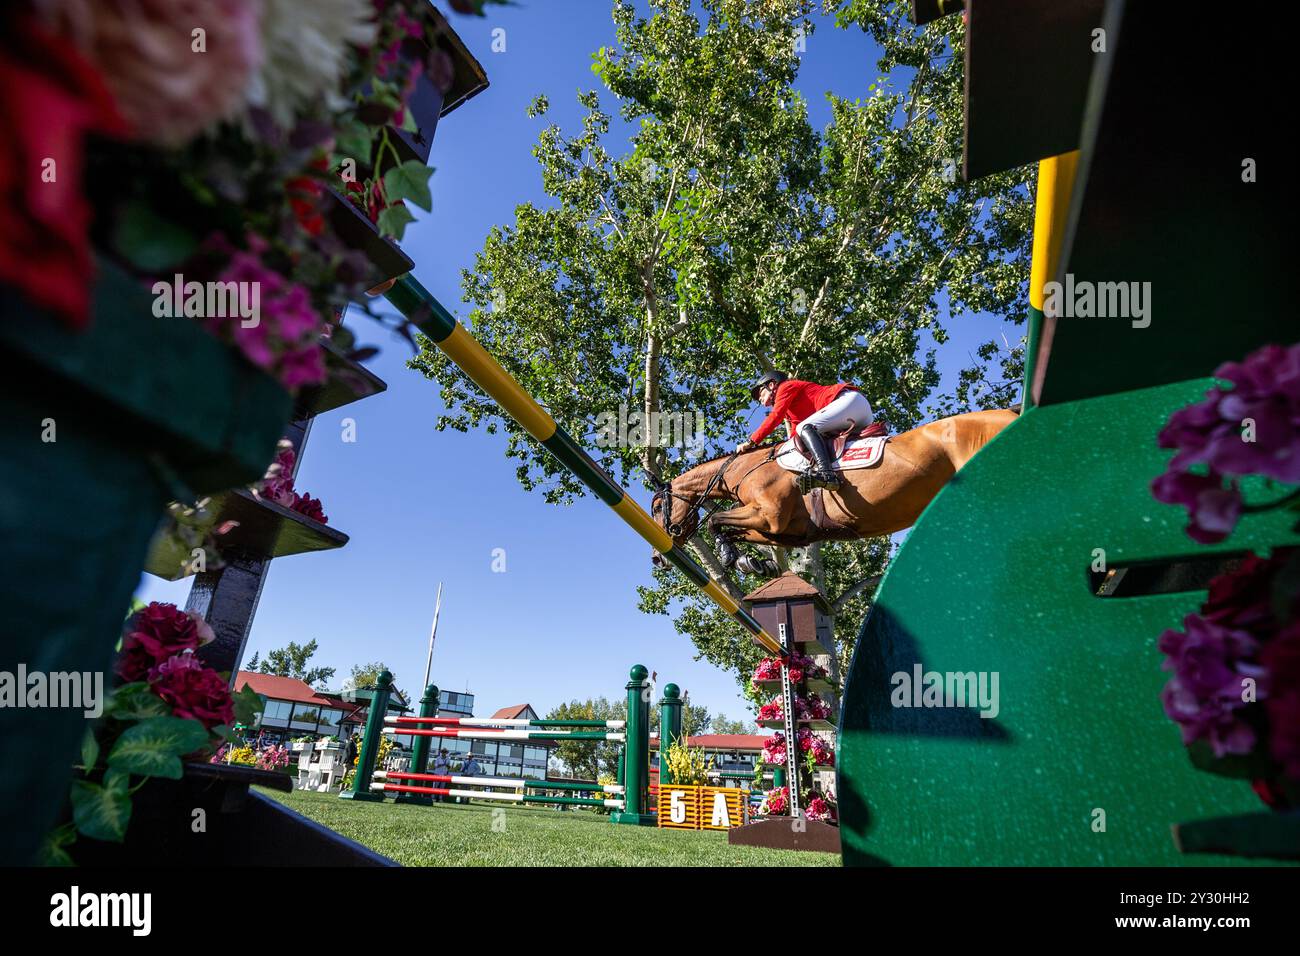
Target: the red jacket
(795, 401)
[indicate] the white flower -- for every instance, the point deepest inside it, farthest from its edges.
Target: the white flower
(306, 53)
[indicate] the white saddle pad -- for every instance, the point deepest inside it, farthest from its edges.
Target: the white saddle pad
(859, 453)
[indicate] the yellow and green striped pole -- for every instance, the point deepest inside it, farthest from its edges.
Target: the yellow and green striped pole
(428, 315)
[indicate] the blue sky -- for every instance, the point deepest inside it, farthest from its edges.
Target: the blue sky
(422, 506)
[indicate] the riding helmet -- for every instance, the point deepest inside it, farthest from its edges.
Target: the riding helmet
(773, 376)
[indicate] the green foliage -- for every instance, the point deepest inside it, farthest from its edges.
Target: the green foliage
(291, 661)
(725, 236)
(101, 811)
(688, 765)
(153, 747)
(589, 759)
(724, 725)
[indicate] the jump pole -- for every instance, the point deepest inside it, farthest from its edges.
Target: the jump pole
(427, 314)
(382, 788)
(486, 733)
(521, 783)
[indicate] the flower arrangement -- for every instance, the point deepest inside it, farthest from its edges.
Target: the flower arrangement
(278, 486)
(775, 803)
(202, 139)
(1252, 428)
(820, 808)
(169, 707)
(813, 749)
(1235, 685)
(810, 707)
(688, 767)
(802, 667)
(1235, 689)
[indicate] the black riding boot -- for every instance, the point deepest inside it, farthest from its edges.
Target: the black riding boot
(820, 473)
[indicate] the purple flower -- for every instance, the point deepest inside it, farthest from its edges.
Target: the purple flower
(1251, 428)
(1211, 664)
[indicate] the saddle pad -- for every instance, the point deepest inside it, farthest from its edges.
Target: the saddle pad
(858, 453)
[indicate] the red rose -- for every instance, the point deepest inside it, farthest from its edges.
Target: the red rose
(154, 634)
(50, 97)
(193, 691)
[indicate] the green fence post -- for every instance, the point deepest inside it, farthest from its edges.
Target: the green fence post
(636, 753)
(670, 728)
(420, 749)
(370, 743)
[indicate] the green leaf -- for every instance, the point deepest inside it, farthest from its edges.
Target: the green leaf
(153, 748)
(100, 813)
(136, 701)
(150, 242)
(393, 221)
(53, 849)
(410, 181)
(355, 140)
(248, 704)
(89, 749)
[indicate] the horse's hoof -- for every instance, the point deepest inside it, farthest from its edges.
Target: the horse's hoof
(727, 553)
(763, 567)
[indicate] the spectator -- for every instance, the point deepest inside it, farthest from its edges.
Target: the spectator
(443, 766)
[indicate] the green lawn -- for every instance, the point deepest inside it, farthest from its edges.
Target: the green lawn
(450, 835)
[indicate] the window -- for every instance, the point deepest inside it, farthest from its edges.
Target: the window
(276, 713)
(305, 717)
(329, 720)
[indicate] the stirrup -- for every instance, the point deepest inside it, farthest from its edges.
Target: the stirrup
(810, 479)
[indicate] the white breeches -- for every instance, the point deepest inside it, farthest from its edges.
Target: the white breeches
(850, 410)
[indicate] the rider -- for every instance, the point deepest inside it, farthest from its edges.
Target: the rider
(813, 411)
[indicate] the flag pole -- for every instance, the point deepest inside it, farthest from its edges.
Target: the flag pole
(428, 663)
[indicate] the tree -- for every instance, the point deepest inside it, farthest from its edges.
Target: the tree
(589, 759)
(366, 676)
(723, 725)
(727, 236)
(253, 662)
(291, 661)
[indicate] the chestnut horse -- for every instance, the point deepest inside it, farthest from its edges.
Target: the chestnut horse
(887, 497)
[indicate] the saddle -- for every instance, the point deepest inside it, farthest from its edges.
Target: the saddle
(857, 448)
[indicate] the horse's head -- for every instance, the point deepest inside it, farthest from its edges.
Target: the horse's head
(677, 514)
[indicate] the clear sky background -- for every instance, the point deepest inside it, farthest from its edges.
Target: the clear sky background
(422, 506)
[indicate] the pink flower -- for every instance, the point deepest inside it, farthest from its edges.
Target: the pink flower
(283, 340)
(819, 809)
(165, 89)
(154, 634)
(193, 690)
(1252, 428)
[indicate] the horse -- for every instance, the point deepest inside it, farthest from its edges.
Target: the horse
(878, 500)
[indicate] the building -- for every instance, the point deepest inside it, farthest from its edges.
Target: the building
(294, 708)
(515, 758)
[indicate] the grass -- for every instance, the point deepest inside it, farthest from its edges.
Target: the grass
(471, 835)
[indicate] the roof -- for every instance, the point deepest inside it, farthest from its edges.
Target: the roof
(513, 712)
(788, 585)
(283, 688)
(722, 741)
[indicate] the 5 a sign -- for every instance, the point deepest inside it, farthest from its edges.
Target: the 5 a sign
(701, 808)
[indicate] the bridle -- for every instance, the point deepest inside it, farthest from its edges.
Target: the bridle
(664, 490)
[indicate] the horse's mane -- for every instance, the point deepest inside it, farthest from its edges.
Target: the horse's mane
(767, 444)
